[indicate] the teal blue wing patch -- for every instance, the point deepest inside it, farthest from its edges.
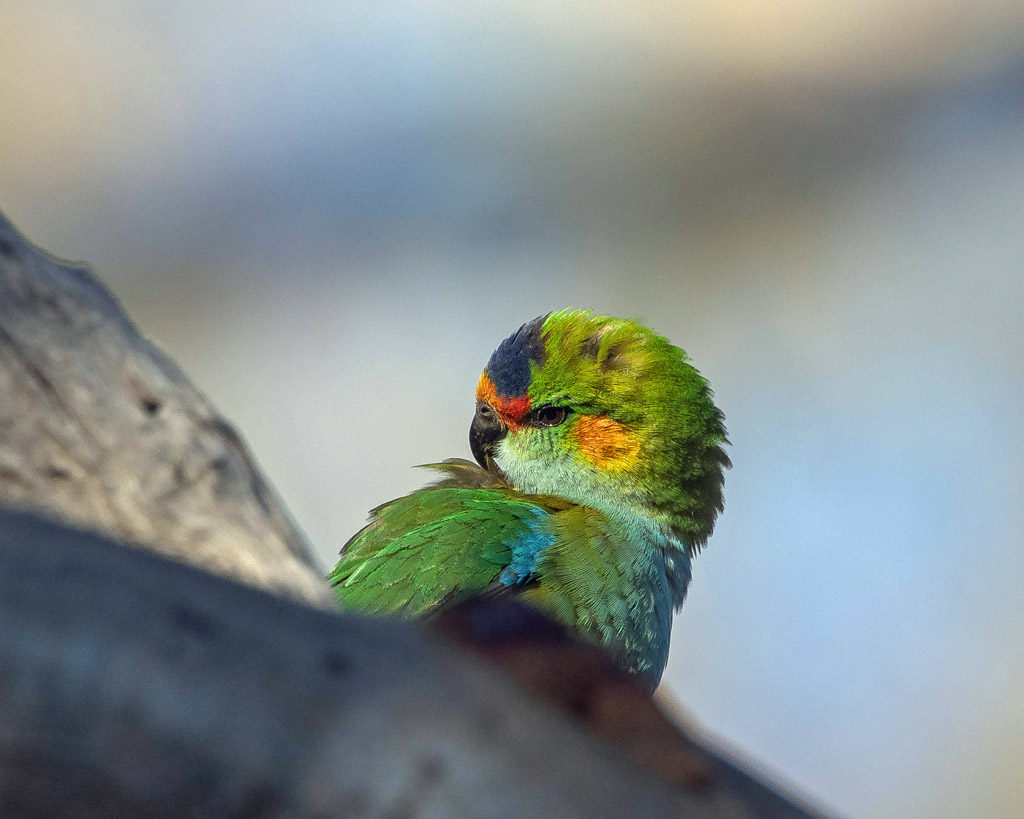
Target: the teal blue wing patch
(611, 588)
(438, 546)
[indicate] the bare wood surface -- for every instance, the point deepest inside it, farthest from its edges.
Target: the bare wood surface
(101, 429)
(135, 686)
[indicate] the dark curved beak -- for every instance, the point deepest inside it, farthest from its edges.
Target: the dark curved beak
(485, 430)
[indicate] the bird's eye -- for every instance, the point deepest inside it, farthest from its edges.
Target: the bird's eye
(550, 416)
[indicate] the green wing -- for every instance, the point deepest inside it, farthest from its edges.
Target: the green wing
(439, 545)
(470, 533)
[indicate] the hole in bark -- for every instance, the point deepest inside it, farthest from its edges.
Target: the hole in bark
(151, 406)
(196, 624)
(261, 801)
(6, 248)
(57, 473)
(334, 665)
(431, 769)
(355, 804)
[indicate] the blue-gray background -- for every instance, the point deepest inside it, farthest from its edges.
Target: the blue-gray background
(331, 212)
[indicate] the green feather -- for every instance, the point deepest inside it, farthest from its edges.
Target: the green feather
(435, 546)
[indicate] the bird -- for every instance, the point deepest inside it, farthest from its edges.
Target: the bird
(598, 476)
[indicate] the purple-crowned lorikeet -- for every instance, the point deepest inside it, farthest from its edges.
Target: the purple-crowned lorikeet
(599, 475)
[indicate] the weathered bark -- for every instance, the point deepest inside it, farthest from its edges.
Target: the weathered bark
(131, 685)
(101, 429)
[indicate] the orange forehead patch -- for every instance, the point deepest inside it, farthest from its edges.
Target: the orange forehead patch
(606, 443)
(512, 410)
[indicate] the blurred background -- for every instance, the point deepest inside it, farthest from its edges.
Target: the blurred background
(329, 213)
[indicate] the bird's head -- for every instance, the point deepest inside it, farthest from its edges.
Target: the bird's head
(605, 413)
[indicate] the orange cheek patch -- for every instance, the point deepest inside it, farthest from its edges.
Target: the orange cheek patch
(606, 443)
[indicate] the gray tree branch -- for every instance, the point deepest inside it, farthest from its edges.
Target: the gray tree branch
(101, 429)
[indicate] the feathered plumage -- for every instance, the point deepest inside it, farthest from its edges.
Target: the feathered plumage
(601, 471)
